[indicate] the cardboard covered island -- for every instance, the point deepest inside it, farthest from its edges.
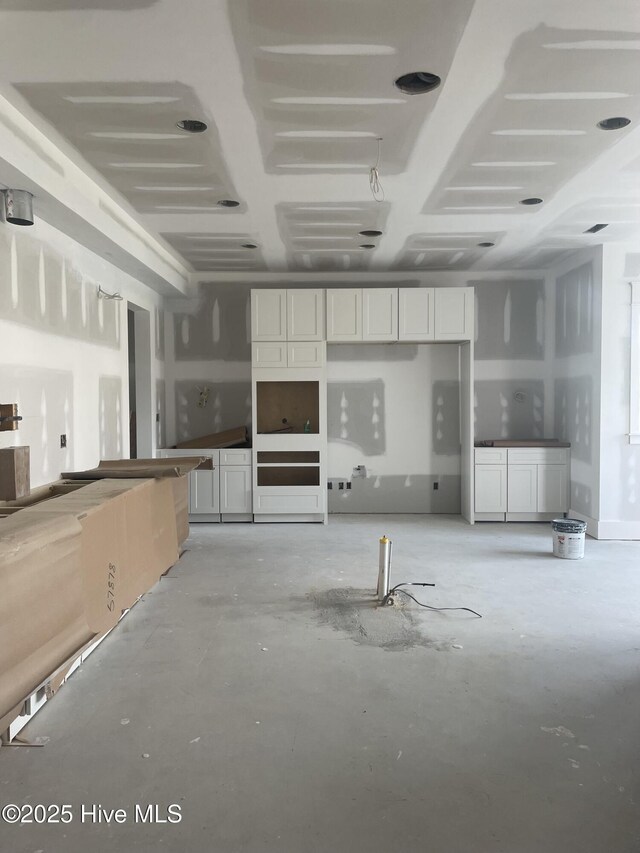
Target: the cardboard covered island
(75, 555)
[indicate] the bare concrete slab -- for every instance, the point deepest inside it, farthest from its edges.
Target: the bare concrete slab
(233, 692)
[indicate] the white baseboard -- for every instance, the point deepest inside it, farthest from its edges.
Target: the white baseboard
(608, 529)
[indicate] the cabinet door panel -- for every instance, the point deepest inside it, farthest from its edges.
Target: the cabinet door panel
(552, 488)
(309, 354)
(491, 488)
(453, 312)
(415, 314)
(204, 491)
(380, 314)
(269, 354)
(522, 488)
(305, 315)
(344, 314)
(235, 489)
(268, 315)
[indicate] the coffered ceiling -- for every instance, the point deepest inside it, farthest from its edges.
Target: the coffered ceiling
(299, 101)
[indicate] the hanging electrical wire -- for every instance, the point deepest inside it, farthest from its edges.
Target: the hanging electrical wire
(374, 176)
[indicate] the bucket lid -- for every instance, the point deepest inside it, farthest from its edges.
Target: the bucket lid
(569, 525)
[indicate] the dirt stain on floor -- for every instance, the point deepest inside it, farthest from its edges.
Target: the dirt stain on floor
(356, 613)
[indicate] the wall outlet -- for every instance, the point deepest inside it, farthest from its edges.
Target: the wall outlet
(330, 484)
(348, 485)
(63, 440)
(341, 485)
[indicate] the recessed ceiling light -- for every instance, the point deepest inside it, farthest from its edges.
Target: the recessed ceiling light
(249, 245)
(367, 246)
(370, 232)
(595, 228)
(532, 200)
(330, 49)
(337, 101)
(614, 123)
(192, 125)
(486, 245)
(228, 202)
(417, 82)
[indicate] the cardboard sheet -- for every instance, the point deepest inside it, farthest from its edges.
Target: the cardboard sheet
(42, 601)
(227, 438)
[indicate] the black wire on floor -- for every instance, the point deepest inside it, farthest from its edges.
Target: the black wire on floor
(387, 599)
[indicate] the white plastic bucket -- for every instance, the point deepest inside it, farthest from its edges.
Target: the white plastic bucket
(568, 538)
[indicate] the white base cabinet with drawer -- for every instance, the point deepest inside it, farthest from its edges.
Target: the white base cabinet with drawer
(223, 494)
(521, 483)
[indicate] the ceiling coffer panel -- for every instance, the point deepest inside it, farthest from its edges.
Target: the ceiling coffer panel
(129, 133)
(218, 251)
(444, 251)
(539, 128)
(328, 236)
(319, 77)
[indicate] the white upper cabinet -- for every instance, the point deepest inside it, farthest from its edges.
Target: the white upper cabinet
(416, 314)
(380, 314)
(305, 315)
(269, 315)
(453, 312)
(344, 314)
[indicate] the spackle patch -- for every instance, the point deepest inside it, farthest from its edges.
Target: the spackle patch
(558, 731)
(355, 612)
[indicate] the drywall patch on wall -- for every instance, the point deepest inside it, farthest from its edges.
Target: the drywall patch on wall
(110, 417)
(356, 414)
(510, 320)
(445, 414)
(573, 414)
(45, 402)
(581, 498)
(41, 290)
(404, 493)
(161, 410)
(574, 312)
(228, 405)
(158, 314)
(509, 408)
(219, 330)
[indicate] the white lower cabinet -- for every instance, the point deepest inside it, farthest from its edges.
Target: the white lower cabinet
(521, 484)
(221, 494)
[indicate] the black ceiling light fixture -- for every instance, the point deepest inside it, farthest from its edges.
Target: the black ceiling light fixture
(486, 245)
(367, 246)
(192, 125)
(370, 232)
(533, 200)
(595, 228)
(228, 202)
(614, 123)
(417, 82)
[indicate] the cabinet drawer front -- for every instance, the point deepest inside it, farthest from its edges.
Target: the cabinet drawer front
(539, 455)
(288, 500)
(491, 455)
(269, 355)
(308, 354)
(235, 457)
(214, 455)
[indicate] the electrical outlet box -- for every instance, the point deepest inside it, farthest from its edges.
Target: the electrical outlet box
(348, 485)
(341, 485)
(63, 440)
(436, 486)
(330, 484)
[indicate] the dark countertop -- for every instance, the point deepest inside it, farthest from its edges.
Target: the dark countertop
(525, 442)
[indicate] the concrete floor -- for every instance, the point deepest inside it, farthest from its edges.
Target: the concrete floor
(277, 727)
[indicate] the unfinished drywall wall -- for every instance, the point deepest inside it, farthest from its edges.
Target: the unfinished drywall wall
(619, 516)
(513, 359)
(63, 351)
(209, 363)
(390, 408)
(577, 369)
